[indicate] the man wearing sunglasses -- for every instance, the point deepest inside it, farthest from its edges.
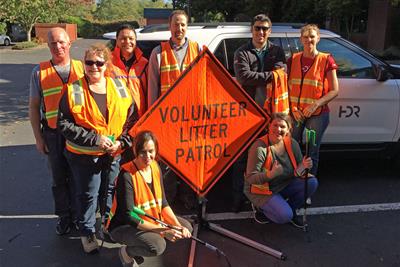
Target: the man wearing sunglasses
(48, 80)
(253, 65)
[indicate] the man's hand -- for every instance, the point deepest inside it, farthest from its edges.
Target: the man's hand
(41, 145)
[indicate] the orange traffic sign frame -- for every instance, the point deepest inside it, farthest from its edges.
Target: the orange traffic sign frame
(203, 123)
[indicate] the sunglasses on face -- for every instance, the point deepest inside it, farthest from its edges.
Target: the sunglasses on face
(259, 28)
(91, 63)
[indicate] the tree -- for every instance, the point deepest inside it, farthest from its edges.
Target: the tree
(27, 12)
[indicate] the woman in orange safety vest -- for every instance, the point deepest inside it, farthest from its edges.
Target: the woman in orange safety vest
(275, 167)
(140, 185)
(95, 114)
(312, 85)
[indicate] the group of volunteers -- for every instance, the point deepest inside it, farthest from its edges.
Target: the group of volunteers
(81, 113)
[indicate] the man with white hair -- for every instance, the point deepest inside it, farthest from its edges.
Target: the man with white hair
(48, 80)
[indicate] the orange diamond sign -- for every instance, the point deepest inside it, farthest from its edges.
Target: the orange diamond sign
(203, 123)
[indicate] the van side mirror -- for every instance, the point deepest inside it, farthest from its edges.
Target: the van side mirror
(381, 73)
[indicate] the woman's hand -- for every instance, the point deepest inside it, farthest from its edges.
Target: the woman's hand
(172, 235)
(112, 150)
(307, 162)
(276, 170)
(185, 232)
(310, 109)
(298, 115)
(105, 142)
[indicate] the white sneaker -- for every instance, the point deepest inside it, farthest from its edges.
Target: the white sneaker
(89, 243)
(126, 260)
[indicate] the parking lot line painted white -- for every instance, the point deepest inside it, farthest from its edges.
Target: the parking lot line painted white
(249, 214)
(312, 211)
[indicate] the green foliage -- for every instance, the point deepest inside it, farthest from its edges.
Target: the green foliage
(97, 29)
(3, 28)
(113, 10)
(24, 45)
(27, 12)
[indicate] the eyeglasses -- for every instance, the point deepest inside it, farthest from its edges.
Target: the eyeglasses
(263, 28)
(91, 63)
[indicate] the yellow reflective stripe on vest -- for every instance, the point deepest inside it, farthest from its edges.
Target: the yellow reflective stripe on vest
(302, 100)
(281, 97)
(120, 88)
(167, 68)
(52, 91)
(150, 204)
(84, 149)
(51, 114)
(77, 93)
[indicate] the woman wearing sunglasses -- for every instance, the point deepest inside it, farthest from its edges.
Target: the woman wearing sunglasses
(95, 114)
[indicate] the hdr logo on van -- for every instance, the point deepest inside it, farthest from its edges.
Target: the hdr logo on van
(203, 122)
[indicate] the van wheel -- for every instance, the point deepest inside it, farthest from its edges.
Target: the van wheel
(6, 42)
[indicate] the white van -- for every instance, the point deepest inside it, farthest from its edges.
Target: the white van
(366, 114)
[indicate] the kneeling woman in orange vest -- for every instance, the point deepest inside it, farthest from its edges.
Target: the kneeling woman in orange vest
(275, 168)
(140, 185)
(94, 116)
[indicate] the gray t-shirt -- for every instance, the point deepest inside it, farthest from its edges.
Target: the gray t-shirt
(34, 87)
(153, 83)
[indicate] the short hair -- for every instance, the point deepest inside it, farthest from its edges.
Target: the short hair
(143, 137)
(125, 27)
(262, 18)
(99, 50)
(49, 33)
(282, 116)
(178, 12)
(309, 27)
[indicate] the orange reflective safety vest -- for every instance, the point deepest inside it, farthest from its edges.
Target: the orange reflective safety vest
(305, 89)
(169, 66)
(145, 199)
(136, 78)
(263, 189)
(52, 88)
(86, 113)
(277, 99)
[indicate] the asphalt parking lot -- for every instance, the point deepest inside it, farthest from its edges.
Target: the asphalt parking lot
(354, 219)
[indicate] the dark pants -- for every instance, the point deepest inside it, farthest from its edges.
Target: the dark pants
(237, 172)
(318, 124)
(142, 243)
(61, 186)
(89, 173)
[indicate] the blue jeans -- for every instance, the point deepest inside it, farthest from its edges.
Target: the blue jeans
(61, 185)
(278, 210)
(317, 123)
(89, 173)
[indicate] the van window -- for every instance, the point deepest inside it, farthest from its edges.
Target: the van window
(225, 52)
(147, 47)
(350, 63)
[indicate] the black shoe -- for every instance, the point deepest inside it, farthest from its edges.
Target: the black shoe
(259, 216)
(63, 226)
(237, 205)
(296, 221)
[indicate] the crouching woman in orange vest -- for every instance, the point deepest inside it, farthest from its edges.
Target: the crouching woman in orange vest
(95, 114)
(140, 185)
(275, 166)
